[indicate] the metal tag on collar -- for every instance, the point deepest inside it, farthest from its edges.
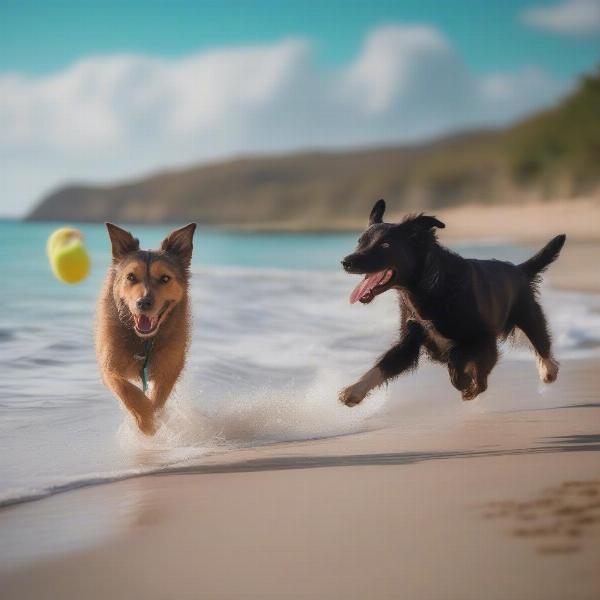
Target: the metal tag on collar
(144, 371)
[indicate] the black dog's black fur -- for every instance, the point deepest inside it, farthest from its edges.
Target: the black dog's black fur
(454, 308)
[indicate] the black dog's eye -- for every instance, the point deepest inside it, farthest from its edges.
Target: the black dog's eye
(131, 277)
(385, 245)
(165, 279)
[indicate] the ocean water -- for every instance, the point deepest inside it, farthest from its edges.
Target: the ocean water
(274, 339)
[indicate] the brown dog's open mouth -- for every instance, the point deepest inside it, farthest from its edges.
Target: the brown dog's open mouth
(145, 325)
(371, 285)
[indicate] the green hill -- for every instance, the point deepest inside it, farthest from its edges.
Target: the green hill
(561, 143)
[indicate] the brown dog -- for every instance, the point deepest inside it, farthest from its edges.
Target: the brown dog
(143, 320)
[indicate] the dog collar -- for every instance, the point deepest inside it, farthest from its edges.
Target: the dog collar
(146, 358)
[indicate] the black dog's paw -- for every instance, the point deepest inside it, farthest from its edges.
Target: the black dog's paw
(548, 369)
(459, 379)
(474, 389)
(352, 395)
(470, 393)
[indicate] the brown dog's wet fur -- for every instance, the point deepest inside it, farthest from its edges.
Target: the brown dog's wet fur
(144, 302)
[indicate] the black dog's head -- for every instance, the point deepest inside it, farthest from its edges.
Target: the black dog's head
(389, 254)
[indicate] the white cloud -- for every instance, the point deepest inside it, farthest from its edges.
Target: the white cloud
(119, 116)
(569, 17)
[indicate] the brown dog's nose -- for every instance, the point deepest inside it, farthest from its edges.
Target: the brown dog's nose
(347, 264)
(144, 303)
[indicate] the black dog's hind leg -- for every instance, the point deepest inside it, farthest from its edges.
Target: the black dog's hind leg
(470, 365)
(457, 362)
(481, 365)
(399, 358)
(530, 319)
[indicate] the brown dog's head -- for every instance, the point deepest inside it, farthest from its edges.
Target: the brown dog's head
(148, 284)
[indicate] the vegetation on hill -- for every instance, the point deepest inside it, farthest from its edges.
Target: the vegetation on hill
(563, 142)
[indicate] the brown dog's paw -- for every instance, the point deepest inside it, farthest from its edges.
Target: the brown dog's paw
(352, 395)
(146, 423)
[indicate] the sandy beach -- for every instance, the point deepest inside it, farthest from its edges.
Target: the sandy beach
(499, 498)
(525, 221)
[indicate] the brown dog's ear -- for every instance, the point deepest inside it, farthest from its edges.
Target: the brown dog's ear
(122, 241)
(179, 243)
(426, 222)
(377, 211)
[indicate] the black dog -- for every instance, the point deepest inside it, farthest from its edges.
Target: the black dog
(453, 308)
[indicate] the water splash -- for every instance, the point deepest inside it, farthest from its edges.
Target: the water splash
(193, 426)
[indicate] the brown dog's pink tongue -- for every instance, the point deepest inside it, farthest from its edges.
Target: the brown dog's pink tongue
(366, 285)
(144, 323)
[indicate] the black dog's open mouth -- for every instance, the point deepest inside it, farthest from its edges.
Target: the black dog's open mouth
(372, 285)
(145, 325)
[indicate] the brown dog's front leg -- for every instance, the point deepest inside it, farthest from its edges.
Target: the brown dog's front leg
(135, 402)
(162, 387)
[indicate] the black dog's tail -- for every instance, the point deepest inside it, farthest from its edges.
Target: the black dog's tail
(544, 258)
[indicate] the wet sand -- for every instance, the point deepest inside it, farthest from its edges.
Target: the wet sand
(497, 498)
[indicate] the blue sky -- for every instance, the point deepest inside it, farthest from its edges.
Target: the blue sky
(39, 37)
(99, 91)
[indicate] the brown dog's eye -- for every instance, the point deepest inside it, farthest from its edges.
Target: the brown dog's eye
(385, 245)
(131, 277)
(165, 279)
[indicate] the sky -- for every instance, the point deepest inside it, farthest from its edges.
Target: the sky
(104, 91)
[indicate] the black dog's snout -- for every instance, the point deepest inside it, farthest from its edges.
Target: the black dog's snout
(347, 264)
(144, 303)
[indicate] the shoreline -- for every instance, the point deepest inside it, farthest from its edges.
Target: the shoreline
(575, 270)
(513, 222)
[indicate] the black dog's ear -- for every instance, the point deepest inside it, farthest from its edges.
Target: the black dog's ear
(377, 211)
(122, 241)
(426, 222)
(179, 243)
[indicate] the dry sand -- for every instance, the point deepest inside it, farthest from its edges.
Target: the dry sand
(525, 222)
(499, 498)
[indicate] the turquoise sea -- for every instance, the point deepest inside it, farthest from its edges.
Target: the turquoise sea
(274, 339)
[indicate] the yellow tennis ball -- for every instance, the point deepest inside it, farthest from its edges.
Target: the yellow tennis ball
(68, 257)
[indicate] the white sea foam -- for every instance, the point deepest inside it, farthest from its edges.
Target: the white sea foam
(261, 416)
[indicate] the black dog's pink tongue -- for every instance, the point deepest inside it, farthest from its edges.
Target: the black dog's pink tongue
(144, 323)
(366, 285)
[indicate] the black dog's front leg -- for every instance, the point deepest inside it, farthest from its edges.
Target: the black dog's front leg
(399, 358)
